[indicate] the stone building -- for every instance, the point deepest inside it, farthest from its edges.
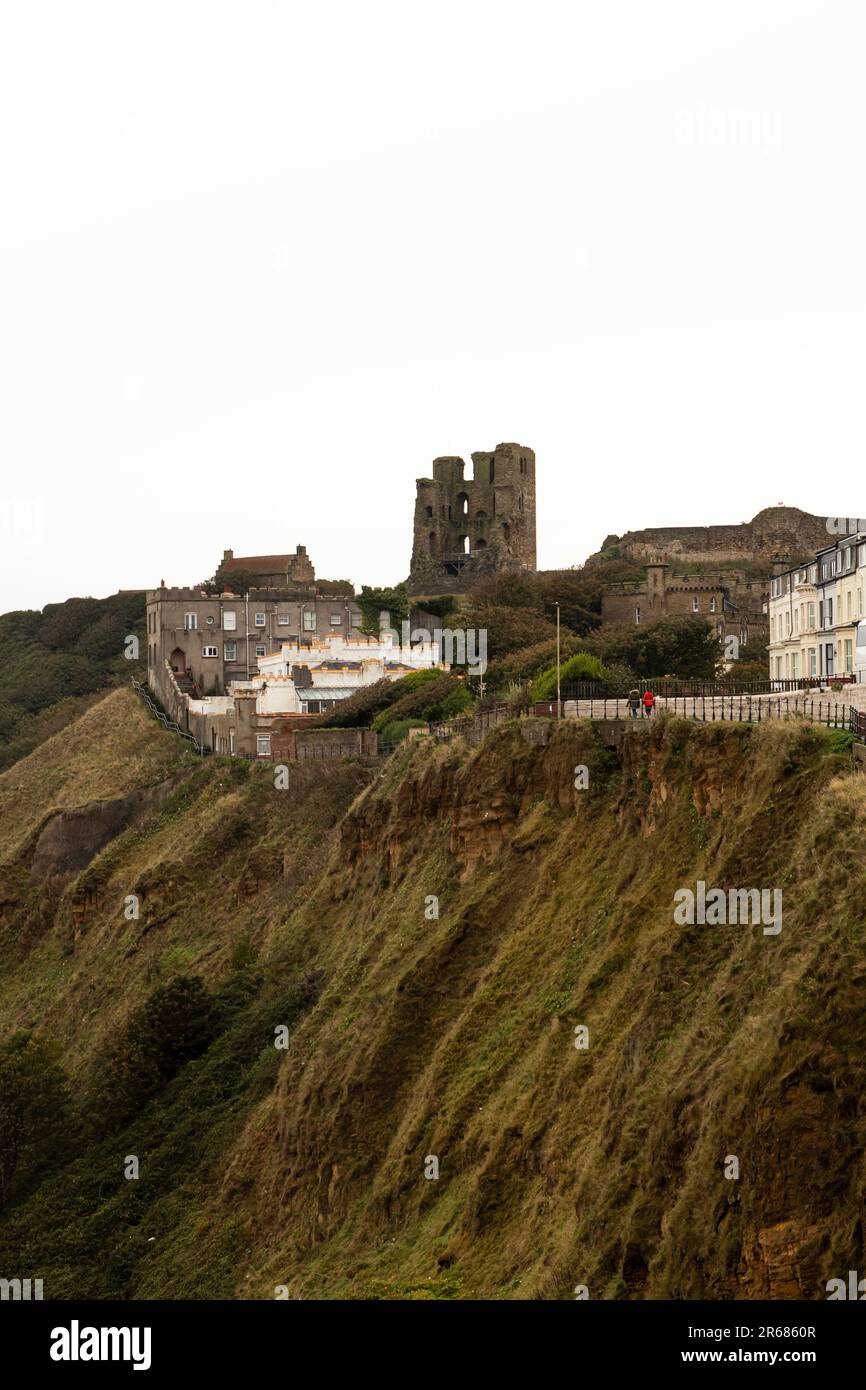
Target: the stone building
(272, 571)
(734, 605)
(466, 527)
(197, 643)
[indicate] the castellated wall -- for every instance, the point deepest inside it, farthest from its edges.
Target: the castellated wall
(773, 531)
(465, 527)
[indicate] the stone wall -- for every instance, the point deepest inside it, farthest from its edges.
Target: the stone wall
(773, 531)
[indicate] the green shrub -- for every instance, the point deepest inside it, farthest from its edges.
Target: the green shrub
(580, 667)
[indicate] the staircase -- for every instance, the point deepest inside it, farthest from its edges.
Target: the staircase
(163, 718)
(186, 685)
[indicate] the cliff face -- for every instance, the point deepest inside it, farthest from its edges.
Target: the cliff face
(433, 948)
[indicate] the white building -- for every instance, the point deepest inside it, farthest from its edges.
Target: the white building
(815, 615)
(312, 679)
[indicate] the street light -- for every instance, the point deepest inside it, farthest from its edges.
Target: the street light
(558, 688)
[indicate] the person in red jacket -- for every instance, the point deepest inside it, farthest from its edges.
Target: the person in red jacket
(648, 703)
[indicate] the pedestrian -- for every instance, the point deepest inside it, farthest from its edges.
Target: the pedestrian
(648, 703)
(633, 703)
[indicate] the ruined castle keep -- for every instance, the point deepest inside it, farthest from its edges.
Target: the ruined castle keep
(466, 527)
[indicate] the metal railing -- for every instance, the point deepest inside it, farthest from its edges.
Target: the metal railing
(170, 724)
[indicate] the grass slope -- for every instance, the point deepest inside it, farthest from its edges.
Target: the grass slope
(411, 1035)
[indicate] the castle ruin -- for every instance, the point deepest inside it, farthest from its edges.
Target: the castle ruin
(466, 527)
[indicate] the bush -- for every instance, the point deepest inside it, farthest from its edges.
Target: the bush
(176, 1024)
(397, 730)
(580, 667)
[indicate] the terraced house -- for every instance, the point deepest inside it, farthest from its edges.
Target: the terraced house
(816, 613)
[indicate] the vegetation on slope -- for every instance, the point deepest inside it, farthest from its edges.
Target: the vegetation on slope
(410, 1035)
(54, 662)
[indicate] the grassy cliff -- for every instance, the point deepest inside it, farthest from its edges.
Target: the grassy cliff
(425, 937)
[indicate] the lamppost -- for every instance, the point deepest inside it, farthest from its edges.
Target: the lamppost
(558, 687)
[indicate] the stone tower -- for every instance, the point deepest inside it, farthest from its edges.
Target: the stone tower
(466, 527)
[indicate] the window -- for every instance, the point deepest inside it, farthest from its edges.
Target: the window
(336, 620)
(190, 622)
(263, 745)
(230, 621)
(813, 667)
(849, 656)
(283, 619)
(811, 615)
(696, 605)
(230, 651)
(309, 622)
(209, 651)
(637, 615)
(260, 620)
(261, 649)
(712, 605)
(829, 612)
(356, 620)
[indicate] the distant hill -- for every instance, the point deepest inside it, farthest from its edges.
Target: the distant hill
(57, 662)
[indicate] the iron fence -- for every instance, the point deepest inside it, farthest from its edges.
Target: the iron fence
(159, 713)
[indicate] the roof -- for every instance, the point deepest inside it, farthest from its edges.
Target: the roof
(258, 563)
(327, 692)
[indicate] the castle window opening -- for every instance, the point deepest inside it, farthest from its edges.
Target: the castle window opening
(637, 615)
(429, 511)
(463, 503)
(696, 605)
(463, 544)
(492, 470)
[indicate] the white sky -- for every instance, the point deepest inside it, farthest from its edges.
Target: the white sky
(260, 263)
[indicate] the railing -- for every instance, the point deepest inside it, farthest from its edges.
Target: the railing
(163, 718)
(588, 690)
(834, 714)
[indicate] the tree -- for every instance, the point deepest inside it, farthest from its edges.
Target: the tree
(686, 647)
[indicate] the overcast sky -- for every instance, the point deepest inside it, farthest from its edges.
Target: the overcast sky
(261, 263)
